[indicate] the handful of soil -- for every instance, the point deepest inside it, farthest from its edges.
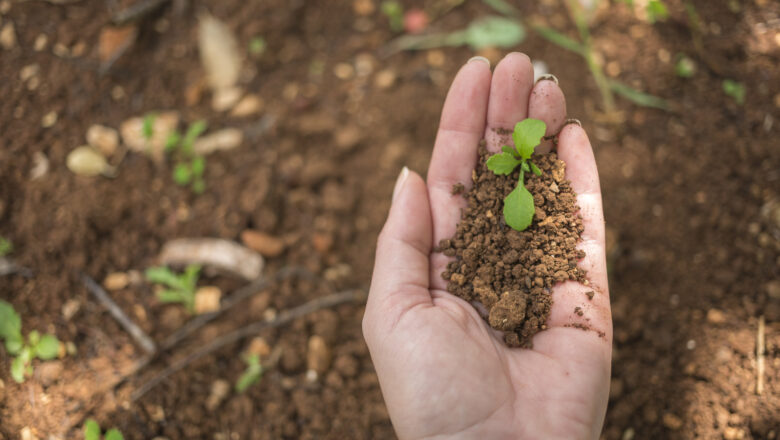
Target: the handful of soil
(511, 273)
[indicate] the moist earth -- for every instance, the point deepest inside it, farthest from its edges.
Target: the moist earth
(511, 273)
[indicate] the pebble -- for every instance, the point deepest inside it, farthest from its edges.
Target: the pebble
(435, 58)
(671, 421)
(86, 161)
(318, 356)
(364, 64)
(267, 245)
(226, 98)
(40, 165)
(116, 281)
(733, 433)
(348, 138)
(132, 133)
(343, 71)
(219, 391)
(207, 299)
(773, 289)
(363, 7)
(70, 308)
(105, 139)
(29, 71)
(385, 79)
(27, 434)
(40, 42)
(322, 242)
(715, 316)
(8, 36)
(249, 105)
(225, 139)
(259, 346)
(49, 119)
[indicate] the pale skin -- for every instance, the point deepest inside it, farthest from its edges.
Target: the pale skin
(443, 372)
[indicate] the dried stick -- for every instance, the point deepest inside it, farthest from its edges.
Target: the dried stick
(249, 330)
(136, 11)
(229, 302)
(760, 353)
(140, 337)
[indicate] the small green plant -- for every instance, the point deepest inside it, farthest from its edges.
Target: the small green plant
(92, 432)
(189, 167)
(257, 45)
(736, 90)
(147, 128)
(656, 11)
(6, 247)
(519, 204)
(179, 288)
(43, 347)
(685, 67)
(252, 373)
(394, 13)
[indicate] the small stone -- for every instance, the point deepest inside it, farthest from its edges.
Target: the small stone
(318, 356)
(311, 376)
(558, 173)
(70, 308)
(773, 289)
(48, 372)
(29, 71)
(224, 99)
(40, 42)
(60, 50)
(509, 312)
(116, 281)
(715, 316)
(105, 139)
(248, 106)
(132, 133)
(554, 188)
(225, 139)
(219, 391)
(363, 7)
(348, 138)
(27, 434)
(672, 422)
(207, 299)
(40, 166)
(259, 347)
(385, 79)
(343, 71)
(733, 433)
(322, 242)
(265, 244)
(435, 58)
(364, 64)
(49, 119)
(8, 36)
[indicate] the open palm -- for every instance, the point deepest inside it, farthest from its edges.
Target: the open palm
(443, 371)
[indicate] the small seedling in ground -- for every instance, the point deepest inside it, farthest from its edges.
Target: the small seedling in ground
(43, 347)
(179, 288)
(147, 129)
(189, 167)
(735, 90)
(684, 67)
(257, 46)
(92, 432)
(519, 204)
(6, 247)
(252, 374)
(656, 11)
(395, 15)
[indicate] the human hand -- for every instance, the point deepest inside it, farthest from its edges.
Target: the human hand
(443, 371)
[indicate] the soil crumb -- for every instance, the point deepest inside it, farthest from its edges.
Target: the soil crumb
(510, 272)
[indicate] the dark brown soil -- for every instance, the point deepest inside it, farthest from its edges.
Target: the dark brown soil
(508, 272)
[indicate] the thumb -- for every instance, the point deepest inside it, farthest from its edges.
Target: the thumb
(400, 280)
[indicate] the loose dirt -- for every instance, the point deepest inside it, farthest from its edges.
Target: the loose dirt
(510, 273)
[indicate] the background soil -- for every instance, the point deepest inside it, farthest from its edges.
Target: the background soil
(691, 200)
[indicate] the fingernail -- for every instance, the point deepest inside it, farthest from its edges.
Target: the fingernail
(572, 121)
(400, 182)
(479, 58)
(547, 77)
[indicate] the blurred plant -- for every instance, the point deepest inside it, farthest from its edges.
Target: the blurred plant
(252, 373)
(485, 32)
(656, 11)
(147, 129)
(189, 167)
(6, 247)
(394, 13)
(519, 204)
(257, 45)
(684, 67)
(92, 432)
(179, 288)
(43, 347)
(736, 90)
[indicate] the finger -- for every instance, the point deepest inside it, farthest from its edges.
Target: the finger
(455, 152)
(509, 97)
(547, 104)
(575, 150)
(400, 279)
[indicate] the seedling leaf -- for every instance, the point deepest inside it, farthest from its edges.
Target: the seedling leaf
(685, 67)
(172, 141)
(10, 322)
(502, 7)
(251, 375)
(13, 344)
(182, 174)
(519, 208)
(502, 163)
(114, 434)
(525, 167)
(170, 296)
(147, 128)
(637, 97)
(509, 150)
(48, 347)
(17, 369)
(6, 247)
(559, 39)
(535, 169)
(165, 276)
(493, 32)
(656, 11)
(735, 90)
(198, 166)
(91, 430)
(395, 14)
(257, 45)
(527, 135)
(193, 131)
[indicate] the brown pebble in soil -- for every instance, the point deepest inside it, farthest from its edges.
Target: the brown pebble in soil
(578, 311)
(511, 272)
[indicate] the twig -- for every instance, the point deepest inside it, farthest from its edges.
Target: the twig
(135, 332)
(137, 11)
(235, 298)
(760, 350)
(249, 330)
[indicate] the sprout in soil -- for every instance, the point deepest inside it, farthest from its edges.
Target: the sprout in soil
(734, 89)
(189, 166)
(92, 432)
(519, 204)
(6, 247)
(177, 288)
(252, 374)
(43, 347)
(395, 14)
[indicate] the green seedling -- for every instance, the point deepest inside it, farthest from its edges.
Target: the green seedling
(6, 247)
(178, 288)
(147, 128)
(189, 167)
(395, 15)
(685, 67)
(736, 90)
(519, 204)
(656, 11)
(257, 46)
(486, 32)
(92, 432)
(44, 347)
(252, 373)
